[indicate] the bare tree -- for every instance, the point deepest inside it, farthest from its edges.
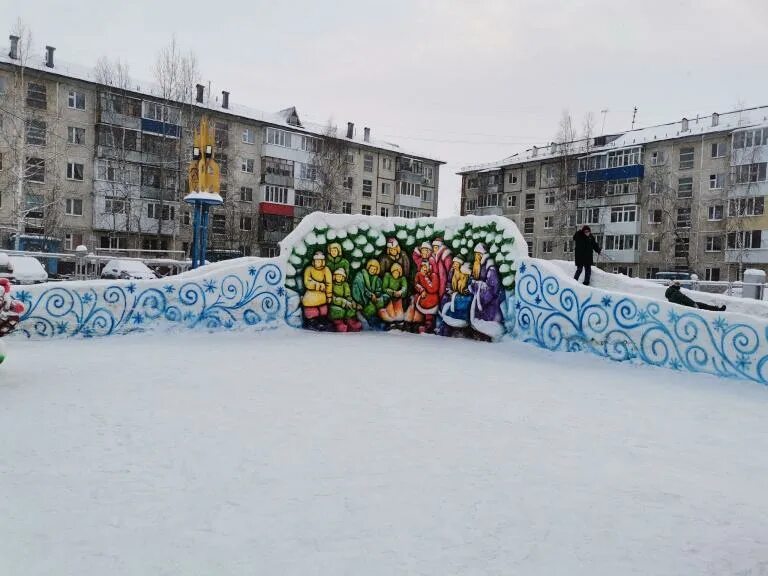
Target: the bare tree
(31, 145)
(330, 164)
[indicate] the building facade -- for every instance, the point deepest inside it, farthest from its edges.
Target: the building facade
(84, 161)
(684, 196)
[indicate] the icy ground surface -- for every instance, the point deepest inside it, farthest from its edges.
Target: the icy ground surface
(300, 454)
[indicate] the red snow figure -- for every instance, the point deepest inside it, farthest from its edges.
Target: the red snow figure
(10, 312)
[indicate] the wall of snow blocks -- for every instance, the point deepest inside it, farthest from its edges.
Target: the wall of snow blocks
(247, 293)
(553, 311)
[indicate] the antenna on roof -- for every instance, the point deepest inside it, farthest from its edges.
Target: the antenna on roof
(604, 112)
(634, 116)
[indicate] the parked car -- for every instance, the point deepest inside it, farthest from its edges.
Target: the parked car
(22, 269)
(127, 270)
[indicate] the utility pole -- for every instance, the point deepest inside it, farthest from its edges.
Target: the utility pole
(634, 116)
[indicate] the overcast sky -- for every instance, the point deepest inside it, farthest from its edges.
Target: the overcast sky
(465, 82)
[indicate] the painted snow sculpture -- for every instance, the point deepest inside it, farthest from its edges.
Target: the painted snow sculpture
(426, 275)
(10, 312)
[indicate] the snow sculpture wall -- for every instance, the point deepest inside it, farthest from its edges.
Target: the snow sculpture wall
(554, 312)
(446, 276)
(248, 292)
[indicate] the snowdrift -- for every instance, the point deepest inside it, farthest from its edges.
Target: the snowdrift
(537, 301)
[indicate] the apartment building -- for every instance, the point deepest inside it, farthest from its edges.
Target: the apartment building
(104, 165)
(688, 195)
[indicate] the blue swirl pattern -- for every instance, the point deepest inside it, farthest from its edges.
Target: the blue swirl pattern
(642, 331)
(252, 297)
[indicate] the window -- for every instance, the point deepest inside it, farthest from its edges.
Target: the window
(305, 199)
(76, 135)
(277, 167)
(746, 239)
(654, 187)
(685, 187)
(429, 173)
(625, 186)
(310, 144)
(186, 218)
(714, 243)
(246, 194)
(623, 213)
(36, 132)
(1, 167)
(549, 197)
(486, 200)
(620, 242)
(247, 165)
(365, 209)
(150, 176)
(3, 86)
(750, 138)
(546, 246)
(76, 100)
(35, 170)
(530, 201)
(718, 150)
(682, 246)
(368, 163)
(249, 136)
(654, 216)
(219, 224)
(426, 195)
(528, 225)
(569, 246)
(113, 242)
(161, 113)
(277, 137)
(653, 245)
(684, 217)
(384, 211)
(37, 96)
(588, 216)
(408, 213)
(530, 249)
(746, 206)
(469, 205)
(246, 223)
(410, 189)
(512, 179)
(686, 158)
(530, 178)
(75, 171)
(349, 182)
(716, 181)
(715, 212)
(712, 274)
(386, 163)
(549, 221)
(349, 159)
(657, 158)
(346, 207)
(627, 157)
(386, 188)
(511, 201)
(72, 241)
(598, 162)
(73, 207)
(116, 206)
(276, 194)
(367, 188)
(158, 212)
(308, 172)
(221, 134)
(750, 173)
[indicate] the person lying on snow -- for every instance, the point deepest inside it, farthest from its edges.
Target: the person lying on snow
(674, 295)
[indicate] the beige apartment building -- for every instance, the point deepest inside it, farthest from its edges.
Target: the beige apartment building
(683, 196)
(83, 161)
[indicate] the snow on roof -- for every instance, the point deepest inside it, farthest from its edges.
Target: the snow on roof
(281, 118)
(697, 126)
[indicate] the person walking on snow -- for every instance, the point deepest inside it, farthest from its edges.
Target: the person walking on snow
(585, 244)
(674, 295)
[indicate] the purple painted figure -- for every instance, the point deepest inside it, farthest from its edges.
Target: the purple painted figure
(485, 316)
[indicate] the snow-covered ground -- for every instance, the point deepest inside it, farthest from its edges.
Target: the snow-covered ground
(298, 453)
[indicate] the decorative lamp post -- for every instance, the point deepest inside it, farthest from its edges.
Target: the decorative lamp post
(203, 189)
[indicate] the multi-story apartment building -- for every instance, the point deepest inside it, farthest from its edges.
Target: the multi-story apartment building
(104, 165)
(688, 195)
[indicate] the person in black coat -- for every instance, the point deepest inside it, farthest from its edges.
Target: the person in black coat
(674, 295)
(585, 244)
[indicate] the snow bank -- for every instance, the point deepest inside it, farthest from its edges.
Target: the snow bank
(555, 312)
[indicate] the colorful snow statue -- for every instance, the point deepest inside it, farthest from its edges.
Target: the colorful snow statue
(318, 290)
(395, 287)
(457, 302)
(441, 263)
(421, 312)
(394, 255)
(10, 313)
(336, 260)
(343, 310)
(485, 315)
(422, 253)
(368, 293)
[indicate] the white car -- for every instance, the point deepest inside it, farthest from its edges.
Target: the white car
(22, 269)
(127, 270)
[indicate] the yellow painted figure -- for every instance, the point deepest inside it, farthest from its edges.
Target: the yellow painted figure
(318, 288)
(204, 170)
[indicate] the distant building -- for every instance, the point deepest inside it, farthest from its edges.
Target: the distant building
(105, 166)
(689, 195)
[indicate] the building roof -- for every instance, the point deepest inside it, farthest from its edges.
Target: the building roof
(697, 126)
(280, 119)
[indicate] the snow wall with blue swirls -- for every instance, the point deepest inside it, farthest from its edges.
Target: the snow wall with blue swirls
(547, 308)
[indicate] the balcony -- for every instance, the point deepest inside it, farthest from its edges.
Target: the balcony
(407, 176)
(489, 211)
(152, 193)
(622, 256)
(133, 156)
(408, 200)
(131, 122)
(619, 173)
(277, 180)
(160, 128)
(747, 256)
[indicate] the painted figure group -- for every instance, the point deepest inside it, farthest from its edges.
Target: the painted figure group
(432, 291)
